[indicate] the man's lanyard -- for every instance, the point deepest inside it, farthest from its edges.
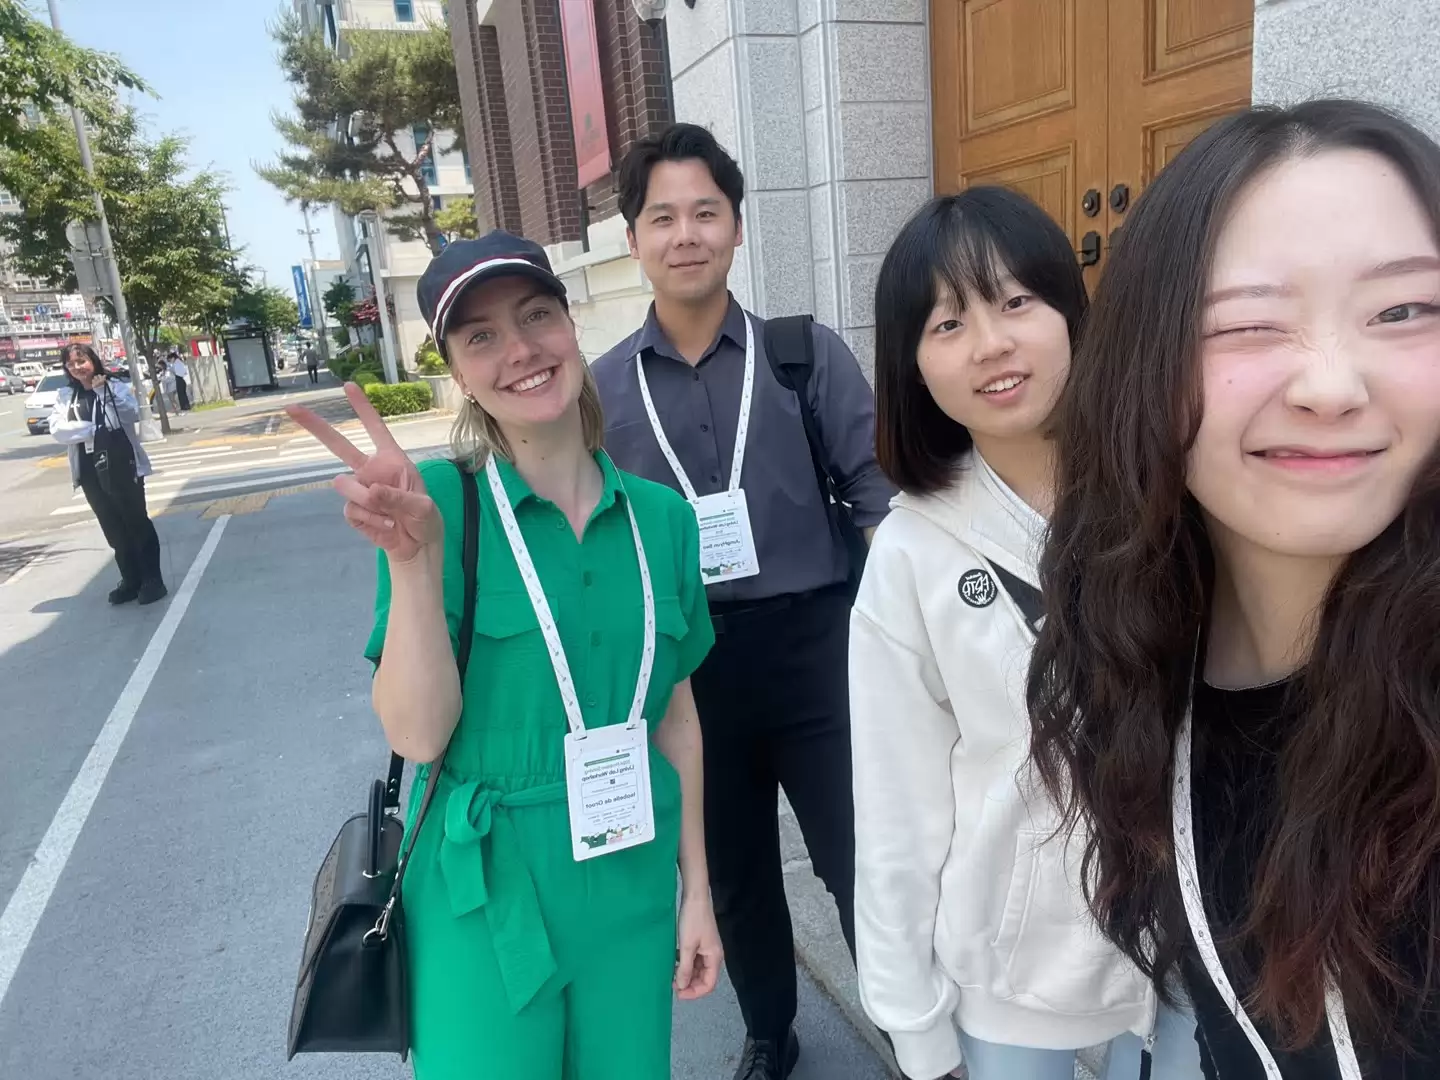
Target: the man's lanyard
(742, 425)
(546, 617)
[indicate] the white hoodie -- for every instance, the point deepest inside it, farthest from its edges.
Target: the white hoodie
(968, 911)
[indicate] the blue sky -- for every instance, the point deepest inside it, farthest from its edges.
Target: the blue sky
(213, 65)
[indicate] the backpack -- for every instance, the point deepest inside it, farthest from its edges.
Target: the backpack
(790, 348)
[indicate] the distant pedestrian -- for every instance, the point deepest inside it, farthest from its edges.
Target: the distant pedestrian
(95, 418)
(181, 373)
(312, 363)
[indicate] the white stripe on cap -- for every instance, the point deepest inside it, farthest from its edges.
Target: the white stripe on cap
(453, 289)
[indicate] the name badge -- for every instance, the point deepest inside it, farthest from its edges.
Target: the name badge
(607, 777)
(727, 546)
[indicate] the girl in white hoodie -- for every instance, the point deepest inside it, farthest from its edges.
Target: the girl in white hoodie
(974, 941)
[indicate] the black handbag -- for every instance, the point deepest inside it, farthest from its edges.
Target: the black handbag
(114, 453)
(352, 994)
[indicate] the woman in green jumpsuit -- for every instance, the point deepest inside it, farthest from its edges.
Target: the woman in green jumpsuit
(526, 964)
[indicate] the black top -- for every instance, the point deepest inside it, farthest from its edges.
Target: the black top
(1238, 738)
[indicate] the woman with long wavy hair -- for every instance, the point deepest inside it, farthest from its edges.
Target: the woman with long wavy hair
(1236, 690)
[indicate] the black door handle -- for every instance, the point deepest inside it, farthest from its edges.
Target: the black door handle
(1090, 249)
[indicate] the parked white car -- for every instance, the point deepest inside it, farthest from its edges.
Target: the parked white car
(31, 372)
(39, 404)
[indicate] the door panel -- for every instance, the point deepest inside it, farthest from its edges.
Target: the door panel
(1176, 66)
(1056, 98)
(1019, 94)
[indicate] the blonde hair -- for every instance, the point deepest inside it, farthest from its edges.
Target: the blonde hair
(476, 434)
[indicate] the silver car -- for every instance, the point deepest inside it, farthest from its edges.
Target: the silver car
(10, 383)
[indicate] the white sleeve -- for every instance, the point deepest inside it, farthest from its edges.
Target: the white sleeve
(124, 402)
(902, 740)
(65, 429)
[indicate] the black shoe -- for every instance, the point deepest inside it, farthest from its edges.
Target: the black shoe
(123, 593)
(152, 591)
(762, 1058)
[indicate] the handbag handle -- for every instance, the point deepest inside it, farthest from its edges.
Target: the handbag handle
(470, 559)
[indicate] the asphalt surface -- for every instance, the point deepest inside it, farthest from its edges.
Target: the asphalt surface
(169, 942)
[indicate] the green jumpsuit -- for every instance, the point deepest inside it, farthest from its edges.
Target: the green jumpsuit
(524, 964)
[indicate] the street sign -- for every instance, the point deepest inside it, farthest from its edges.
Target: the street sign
(87, 254)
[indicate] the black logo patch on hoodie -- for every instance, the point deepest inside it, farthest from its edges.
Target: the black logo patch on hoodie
(977, 588)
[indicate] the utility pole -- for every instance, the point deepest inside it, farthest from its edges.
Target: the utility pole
(375, 245)
(122, 313)
(317, 303)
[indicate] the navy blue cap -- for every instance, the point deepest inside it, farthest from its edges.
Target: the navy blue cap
(466, 263)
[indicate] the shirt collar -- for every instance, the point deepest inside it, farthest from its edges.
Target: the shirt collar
(654, 339)
(519, 491)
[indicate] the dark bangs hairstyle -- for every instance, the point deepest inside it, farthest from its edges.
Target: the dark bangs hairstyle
(957, 246)
(86, 351)
(679, 142)
(1352, 856)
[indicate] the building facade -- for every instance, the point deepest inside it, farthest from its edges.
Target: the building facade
(514, 90)
(847, 114)
(37, 320)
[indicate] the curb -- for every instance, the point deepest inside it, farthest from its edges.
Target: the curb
(819, 945)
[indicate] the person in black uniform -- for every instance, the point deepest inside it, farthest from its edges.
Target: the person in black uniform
(95, 419)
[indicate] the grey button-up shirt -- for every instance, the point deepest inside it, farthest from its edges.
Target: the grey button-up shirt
(699, 407)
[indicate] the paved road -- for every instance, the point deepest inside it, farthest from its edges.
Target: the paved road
(157, 932)
(247, 449)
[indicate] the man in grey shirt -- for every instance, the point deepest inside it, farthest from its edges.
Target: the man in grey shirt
(773, 694)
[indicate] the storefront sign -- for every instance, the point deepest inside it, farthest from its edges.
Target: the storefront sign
(587, 93)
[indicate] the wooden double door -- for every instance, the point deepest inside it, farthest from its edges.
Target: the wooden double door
(1079, 103)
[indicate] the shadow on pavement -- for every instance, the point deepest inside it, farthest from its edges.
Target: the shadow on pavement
(15, 556)
(42, 446)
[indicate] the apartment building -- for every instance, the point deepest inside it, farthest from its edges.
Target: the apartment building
(37, 320)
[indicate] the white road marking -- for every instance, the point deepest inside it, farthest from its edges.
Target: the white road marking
(237, 485)
(27, 904)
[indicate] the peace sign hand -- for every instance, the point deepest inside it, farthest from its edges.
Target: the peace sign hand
(385, 498)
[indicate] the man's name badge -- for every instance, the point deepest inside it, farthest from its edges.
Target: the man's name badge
(727, 546)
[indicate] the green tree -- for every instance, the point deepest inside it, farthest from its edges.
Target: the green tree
(46, 73)
(344, 139)
(267, 308)
(457, 219)
(339, 301)
(175, 265)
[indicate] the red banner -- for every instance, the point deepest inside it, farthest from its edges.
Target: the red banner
(587, 93)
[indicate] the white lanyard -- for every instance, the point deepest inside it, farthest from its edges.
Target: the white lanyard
(1184, 825)
(742, 426)
(546, 617)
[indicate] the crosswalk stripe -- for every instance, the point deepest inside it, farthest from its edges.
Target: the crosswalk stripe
(237, 485)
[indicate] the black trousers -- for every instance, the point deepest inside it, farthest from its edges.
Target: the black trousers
(774, 711)
(182, 392)
(126, 525)
(314, 374)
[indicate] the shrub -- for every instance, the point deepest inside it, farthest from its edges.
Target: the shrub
(363, 378)
(399, 399)
(428, 360)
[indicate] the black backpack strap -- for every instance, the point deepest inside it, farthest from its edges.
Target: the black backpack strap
(470, 558)
(1027, 598)
(790, 348)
